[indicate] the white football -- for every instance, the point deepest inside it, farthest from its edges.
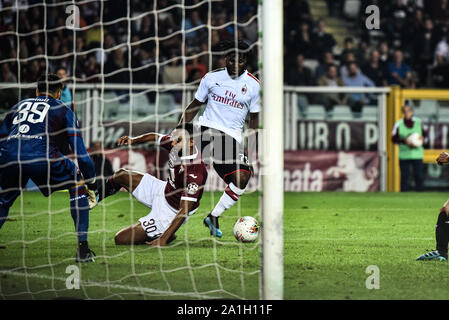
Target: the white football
(246, 229)
(415, 139)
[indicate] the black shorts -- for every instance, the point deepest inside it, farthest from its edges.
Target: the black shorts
(223, 152)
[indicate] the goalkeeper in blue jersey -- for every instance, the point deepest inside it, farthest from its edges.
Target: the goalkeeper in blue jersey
(31, 137)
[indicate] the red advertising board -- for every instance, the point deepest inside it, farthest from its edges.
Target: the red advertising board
(303, 170)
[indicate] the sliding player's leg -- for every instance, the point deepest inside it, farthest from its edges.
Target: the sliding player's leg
(127, 179)
(149, 191)
(135, 234)
(441, 235)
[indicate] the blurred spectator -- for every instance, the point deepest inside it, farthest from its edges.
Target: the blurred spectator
(399, 73)
(66, 93)
(8, 97)
(196, 36)
(32, 71)
(296, 12)
(331, 79)
(439, 10)
(146, 28)
(356, 78)
(442, 49)
(116, 67)
(423, 48)
(173, 72)
(322, 41)
(384, 52)
(92, 72)
(6, 75)
(116, 71)
(304, 41)
(374, 70)
(300, 76)
(334, 7)
(398, 16)
(108, 43)
(349, 48)
(440, 73)
(194, 76)
(328, 59)
(251, 30)
(195, 66)
(348, 59)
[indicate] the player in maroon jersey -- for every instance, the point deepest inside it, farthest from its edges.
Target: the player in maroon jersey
(171, 201)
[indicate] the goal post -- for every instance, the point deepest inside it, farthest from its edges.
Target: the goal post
(273, 151)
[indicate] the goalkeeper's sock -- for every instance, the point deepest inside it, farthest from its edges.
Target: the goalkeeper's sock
(110, 188)
(442, 233)
(230, 197)
(79, 208)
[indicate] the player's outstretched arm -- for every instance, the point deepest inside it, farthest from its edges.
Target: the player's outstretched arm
(76, 142)
(147, 137)
(190, 112)
(186, 207)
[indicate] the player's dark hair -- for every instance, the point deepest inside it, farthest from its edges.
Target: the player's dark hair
(49, 83)
(188, 127)
(227, 47)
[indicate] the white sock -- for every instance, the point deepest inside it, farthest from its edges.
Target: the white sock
(230, 196)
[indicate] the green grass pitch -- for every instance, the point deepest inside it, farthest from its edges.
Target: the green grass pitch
(330, 240)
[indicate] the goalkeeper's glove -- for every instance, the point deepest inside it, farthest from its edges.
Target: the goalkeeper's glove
(92, 196)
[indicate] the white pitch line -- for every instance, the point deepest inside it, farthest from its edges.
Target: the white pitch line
(115, 286)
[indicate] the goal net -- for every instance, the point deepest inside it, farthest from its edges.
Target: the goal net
(130, 67)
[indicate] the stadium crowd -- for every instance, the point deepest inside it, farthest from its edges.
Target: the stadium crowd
(411, 51)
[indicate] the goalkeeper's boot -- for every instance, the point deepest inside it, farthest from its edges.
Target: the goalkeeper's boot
(212, 223)
(432, 255)
(84, 254)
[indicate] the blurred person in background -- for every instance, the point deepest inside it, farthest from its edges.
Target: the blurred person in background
(384, 52)
(331, 79)
(66, 94)
(8, 97)
(356, 78)
(327, 60)
(398, 72)
(344, 67)
(409, 154)
(423, 48)
(374, 70)
(300, 76)
(322, 40)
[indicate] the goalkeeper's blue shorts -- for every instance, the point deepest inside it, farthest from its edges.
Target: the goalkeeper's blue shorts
(49, 176)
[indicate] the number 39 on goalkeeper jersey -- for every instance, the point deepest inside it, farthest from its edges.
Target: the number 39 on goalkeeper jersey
(34, 130)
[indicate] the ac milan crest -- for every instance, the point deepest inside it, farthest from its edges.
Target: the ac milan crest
(244, 89)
